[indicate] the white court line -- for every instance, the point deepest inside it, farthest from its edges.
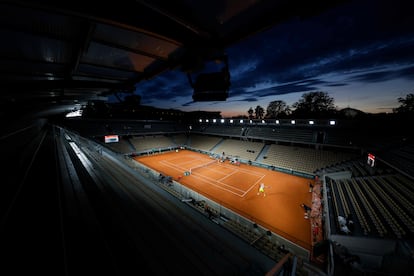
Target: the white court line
(179, 166)
(206, 176)
(173, 166)
(212, 168)
(215, 182)
(230, 174)
(240, 169)
(235, 170)
(202, 178)
(255, 183)
(186, 162)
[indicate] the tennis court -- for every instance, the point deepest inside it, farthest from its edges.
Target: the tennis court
(236, 187)
(222, 175)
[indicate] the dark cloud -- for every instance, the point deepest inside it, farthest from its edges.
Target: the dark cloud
(274, 90)
(374, 76)
(234, 91)
(336, 84)
(187, 103)
(358, 57)
(252, 99)
(368, 41)
(384, 75)
(359, 35)
(285, 89)
(167, 86)
(407, 73)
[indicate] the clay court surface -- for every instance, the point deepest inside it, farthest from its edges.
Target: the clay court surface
(236, 187)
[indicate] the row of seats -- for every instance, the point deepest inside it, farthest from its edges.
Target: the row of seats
(259, 240)
(306, 160)
(376, 203)
(245, 150)
(203, 142)
(223, 130)
(145, 143)
(386, 202)
(342, 208)
(302, 135)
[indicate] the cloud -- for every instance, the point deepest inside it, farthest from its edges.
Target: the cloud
(366, 43)
(250, 99)
(167, 86)
(187, 103)
(384, 75)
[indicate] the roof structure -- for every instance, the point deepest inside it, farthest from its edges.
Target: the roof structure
(55, 55)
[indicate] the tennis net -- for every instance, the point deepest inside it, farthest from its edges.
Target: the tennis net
(202, 166)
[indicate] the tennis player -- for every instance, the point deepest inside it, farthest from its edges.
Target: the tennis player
(261, 189)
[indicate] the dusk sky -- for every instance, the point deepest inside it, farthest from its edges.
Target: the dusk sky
(361, 54)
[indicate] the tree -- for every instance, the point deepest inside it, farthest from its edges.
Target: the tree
(406, 104)
(314, 104)
(250, 112)
(277, 109)
(259, 112)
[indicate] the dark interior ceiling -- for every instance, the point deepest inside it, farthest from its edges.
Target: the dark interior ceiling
(55, 55)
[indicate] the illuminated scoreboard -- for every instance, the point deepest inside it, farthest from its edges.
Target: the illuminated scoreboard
(371, 159)
(111, 138)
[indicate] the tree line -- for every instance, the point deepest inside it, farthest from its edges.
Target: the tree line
(317, 104)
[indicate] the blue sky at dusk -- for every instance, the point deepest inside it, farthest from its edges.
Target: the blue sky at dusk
(361, 54)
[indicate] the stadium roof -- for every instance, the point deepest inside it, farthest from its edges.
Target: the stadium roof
(55, 55)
